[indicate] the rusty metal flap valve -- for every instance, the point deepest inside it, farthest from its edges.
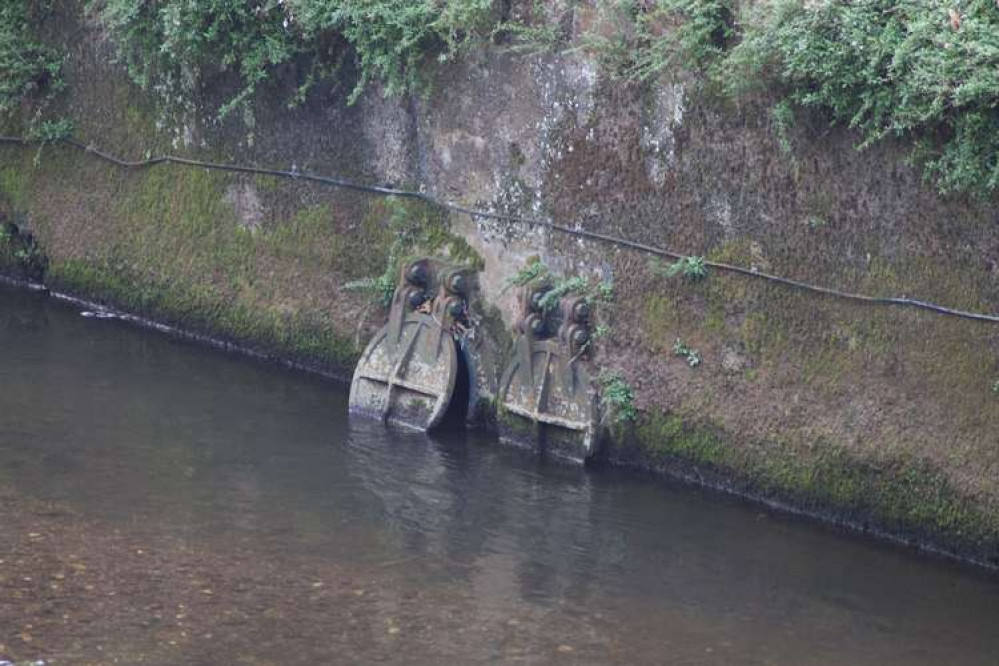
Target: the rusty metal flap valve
(408, 371)
(545, 398)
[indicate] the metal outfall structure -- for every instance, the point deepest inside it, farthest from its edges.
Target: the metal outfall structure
(411, 371)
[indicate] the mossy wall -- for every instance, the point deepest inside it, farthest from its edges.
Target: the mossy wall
(882, 417)
(252, 261)
(878, 416)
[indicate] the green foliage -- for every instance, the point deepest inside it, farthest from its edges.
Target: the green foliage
(924, 72)
(29, 69)
(699, 31)
(535, 27)
(531, 38)
(167, 43)
(173, 46)
(891, 68)
(48, 131)
(618, 398)
(392, 38)
(20, 253)
(575, 284)
(534, 271)
(681, 349)
(690, 268)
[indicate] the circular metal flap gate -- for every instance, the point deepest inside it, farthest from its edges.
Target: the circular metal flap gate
(544, 395)
(407, 373)
(409, 370)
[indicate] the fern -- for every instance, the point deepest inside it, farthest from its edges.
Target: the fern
(535, 271)
(618, 398)
(571, 285)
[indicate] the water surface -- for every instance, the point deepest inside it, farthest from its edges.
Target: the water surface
(227, 511)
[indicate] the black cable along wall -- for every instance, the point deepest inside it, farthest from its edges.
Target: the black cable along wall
(512, 219)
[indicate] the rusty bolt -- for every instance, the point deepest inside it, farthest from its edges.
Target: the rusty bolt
(536, 300)
(456, 307)
(417, 274)
(456, 283)
(535, 324)
(416, 298)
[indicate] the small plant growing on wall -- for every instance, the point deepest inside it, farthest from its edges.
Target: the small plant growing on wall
(536, 272)
(692, 356)
(573, 285)
(553, 288)
(20, 252)
(533, 271)
(618, 398)
(690, 268)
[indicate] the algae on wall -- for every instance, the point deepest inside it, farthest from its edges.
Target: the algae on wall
(206, 251)
(896, 495)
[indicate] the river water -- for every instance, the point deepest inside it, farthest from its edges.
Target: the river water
(166, 503)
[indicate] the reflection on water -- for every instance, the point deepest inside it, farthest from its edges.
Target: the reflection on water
(154, 436)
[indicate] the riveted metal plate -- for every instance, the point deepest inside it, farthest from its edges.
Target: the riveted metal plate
(409, 370)
(545, 399)
(407, 373)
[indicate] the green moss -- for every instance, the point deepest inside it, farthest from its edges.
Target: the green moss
(306, 336)
(268, 184)
(666, 437)
(173, 250)
(414, 229)
(13, 187)
(661, 310)
(826, 342)
(899, 495)
(435, 237)
(168, 245)
(515, 427)
(831, 346)
(20, 254)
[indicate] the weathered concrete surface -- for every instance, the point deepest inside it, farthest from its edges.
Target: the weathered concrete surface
(885, 418)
